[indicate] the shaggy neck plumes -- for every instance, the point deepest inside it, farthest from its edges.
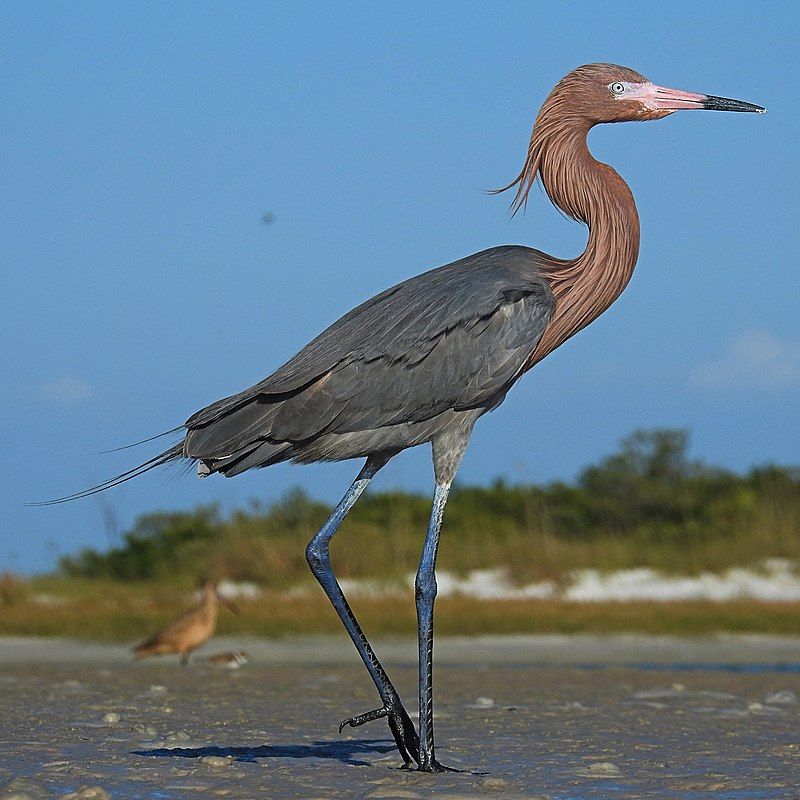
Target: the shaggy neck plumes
(590, 192)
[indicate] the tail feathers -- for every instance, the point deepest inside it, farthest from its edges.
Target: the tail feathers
(173, 453)
(148, 647)
(140, 650)
(141, 441)
(262, 455)
(156, 646)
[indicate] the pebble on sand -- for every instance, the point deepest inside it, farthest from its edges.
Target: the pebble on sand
(217, 762)
(176, 739)
(111, 718)
(784, 697)
(88, 793)
(761, 707)
(493, 783)
(603, 769)
(23, 789)
(144, 731)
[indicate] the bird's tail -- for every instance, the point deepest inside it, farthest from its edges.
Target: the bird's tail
(171, 454)
(140, 651)
(145, 649)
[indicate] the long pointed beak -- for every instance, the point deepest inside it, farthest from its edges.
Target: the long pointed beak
(676, 100)
(227, 603)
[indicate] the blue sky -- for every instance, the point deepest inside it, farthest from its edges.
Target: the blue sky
(143, 144)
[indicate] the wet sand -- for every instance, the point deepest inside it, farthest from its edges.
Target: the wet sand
(570, 718)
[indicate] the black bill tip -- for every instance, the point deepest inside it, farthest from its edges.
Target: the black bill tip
(712, 103)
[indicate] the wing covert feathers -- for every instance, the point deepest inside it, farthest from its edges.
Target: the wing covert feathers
(455, 338)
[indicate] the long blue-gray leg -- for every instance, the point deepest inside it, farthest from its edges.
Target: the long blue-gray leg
(318, 557)
(448, 449)
(425, 590)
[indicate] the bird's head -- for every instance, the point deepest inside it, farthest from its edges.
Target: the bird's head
(589, 95)
(211, 594)
(610, 93)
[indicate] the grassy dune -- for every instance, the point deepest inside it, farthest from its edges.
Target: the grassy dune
(112, 611)
(647, 505)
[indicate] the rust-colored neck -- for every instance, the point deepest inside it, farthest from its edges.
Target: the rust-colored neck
(591, 192)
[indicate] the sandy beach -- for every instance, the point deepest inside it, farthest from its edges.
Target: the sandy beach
(569, 718)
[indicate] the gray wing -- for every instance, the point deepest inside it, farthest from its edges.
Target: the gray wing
(454, 338)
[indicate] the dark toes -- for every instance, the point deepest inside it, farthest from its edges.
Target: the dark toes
(361, 719)
(401, 726)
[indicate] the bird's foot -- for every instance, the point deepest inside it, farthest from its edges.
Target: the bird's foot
(432, 765)
(405, 735)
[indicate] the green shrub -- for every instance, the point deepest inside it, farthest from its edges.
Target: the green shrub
(648, 504)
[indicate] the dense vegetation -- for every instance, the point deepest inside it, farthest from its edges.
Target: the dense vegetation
(646, 505)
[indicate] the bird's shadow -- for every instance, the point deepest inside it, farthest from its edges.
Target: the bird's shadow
(346, 751)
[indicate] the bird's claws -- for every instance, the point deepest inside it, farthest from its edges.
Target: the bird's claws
(369, 716)
(435, 766)
(401, 726)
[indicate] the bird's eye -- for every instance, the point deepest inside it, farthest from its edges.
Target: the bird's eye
(617, 88)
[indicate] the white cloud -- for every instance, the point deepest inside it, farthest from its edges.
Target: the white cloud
(754, 360)
(66, 389)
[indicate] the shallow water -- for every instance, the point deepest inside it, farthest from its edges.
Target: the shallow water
(532, 727)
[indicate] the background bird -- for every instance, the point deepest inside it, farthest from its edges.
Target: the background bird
(189, 630)
(422, 361)
(228, 660)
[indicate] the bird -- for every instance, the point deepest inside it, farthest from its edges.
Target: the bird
(187, 631)
(422, 361)
(228, 660)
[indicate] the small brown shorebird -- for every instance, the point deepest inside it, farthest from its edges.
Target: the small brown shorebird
(187, 631)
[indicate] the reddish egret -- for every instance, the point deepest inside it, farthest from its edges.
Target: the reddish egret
(423, 360)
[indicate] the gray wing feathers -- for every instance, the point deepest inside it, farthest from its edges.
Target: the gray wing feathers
(453, 338)
(261, 455)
